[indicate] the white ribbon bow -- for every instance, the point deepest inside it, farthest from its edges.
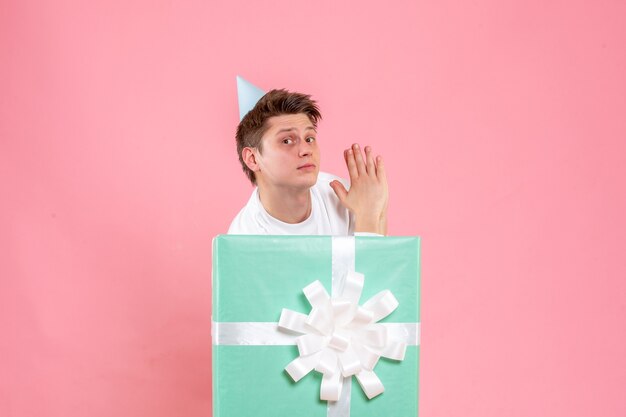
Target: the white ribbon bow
(340, 338)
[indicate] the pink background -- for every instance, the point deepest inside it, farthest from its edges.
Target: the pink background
(503, 128)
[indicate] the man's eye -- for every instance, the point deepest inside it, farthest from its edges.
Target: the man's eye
(310, 139)
(287, 141)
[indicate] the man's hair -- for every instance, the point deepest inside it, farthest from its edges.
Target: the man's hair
(275, 103)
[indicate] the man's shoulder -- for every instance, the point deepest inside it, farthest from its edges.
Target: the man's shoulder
(324, 192)
(329, 205)
(245, 221)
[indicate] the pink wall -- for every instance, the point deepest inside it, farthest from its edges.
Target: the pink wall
(504, 131)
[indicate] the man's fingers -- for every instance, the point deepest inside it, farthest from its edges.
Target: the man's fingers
(380, 170)
(351, 164)
(360, 164)
(369, 161)
(339, 189)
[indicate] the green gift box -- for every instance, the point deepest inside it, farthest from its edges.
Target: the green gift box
(256, 277)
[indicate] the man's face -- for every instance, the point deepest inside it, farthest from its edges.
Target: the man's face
(290, 156)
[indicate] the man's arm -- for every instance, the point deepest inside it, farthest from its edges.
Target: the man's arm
(369, 195)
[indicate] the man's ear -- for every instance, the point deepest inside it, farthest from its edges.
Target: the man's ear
(250, 159)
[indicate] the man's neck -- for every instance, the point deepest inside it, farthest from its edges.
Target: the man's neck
(286, 204)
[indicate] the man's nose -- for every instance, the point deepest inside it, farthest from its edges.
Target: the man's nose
(304, 148)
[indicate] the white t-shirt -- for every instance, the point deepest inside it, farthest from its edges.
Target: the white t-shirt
(328, 216)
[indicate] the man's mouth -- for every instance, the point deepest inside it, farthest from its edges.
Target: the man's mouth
(305, 166)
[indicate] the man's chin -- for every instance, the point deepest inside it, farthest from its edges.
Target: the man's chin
(308, 180)
(314, 177)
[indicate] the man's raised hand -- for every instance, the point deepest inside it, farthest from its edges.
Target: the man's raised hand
(368, 195)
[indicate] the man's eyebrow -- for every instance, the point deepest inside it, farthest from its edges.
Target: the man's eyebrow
(289, 129)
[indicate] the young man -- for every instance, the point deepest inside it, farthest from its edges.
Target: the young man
(278, 150)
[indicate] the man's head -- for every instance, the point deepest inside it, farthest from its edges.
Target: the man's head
(290, 119)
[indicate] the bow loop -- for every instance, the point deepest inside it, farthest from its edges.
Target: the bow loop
(292, 320)
(381, 305)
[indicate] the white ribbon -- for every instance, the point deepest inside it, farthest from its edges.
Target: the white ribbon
(338, 338)
(341, 339)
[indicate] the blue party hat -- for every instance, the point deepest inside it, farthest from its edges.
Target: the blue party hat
(248, 94)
